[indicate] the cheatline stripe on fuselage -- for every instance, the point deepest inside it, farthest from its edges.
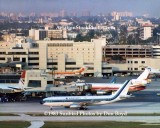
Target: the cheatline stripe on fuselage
(84, 100)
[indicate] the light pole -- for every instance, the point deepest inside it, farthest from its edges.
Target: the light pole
(52, 65)
(53, 70)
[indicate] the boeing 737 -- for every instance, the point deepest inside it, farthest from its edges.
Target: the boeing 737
(80, 102)
(135, 85)
(12, 88)
(74, 73)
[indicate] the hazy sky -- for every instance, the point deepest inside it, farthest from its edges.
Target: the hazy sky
(138, 7)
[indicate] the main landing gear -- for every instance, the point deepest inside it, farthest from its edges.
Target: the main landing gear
(51, 108)
(83, 108)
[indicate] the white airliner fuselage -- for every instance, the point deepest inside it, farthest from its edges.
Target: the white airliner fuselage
(83, 101)
(73, 73)
(135, 85)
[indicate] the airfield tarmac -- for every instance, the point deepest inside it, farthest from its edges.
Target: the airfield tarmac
(144, 102)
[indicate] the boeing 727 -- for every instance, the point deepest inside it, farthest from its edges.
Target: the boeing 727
(135, 85)
(74, 73)
(80, 102)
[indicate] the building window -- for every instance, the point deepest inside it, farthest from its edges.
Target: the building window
(34, 83)
(33, 64)
(2, 53)
(70, 63)
(33, 58)
(16, 59)
(52, 63)
(128, 69)
(34, 53)
(128, 62)
(136, 69)
(49, 82)
(17, 53)
(142, 68)
(136, 62)
(143, 62)
(2, 58)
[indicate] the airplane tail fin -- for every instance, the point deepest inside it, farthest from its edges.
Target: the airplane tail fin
(82, 69)
(144, 75)
(125, 89)
(22, 79)
(122, 91)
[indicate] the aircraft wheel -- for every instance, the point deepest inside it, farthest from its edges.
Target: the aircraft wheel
(85, 108)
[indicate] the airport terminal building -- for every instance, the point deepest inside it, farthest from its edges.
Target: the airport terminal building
(64, 55)
(38, 57)
(61, 55)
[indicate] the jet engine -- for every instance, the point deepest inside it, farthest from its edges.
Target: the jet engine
(101, 92)
(75, 106)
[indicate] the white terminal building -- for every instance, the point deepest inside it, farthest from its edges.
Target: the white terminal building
(67, 55)
(64, 55)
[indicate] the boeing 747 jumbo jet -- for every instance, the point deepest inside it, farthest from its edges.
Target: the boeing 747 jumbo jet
(12, 88)
(135, 85)
(80, 102)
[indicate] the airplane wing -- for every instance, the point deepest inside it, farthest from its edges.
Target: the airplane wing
(15, 88)
(10, 89)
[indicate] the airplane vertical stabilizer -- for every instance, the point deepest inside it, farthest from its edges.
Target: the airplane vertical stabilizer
(22, 79)
(144, 75)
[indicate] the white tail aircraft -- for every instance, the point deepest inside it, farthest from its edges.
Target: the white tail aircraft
(135, 85)
(12, 88)
(154, 71)
(80, 102)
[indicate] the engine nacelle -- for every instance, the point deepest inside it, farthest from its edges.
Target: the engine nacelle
(75, 106)
(126, 96)
(101, 92)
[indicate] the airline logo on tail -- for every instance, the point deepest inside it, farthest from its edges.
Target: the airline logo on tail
(81, 70)
(22, 79)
